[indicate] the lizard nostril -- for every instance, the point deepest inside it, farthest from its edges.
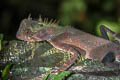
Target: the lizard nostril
(29, 38)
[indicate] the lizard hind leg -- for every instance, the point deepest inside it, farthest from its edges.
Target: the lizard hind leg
(109, 60)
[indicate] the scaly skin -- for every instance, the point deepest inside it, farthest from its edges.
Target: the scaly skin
(67, 39)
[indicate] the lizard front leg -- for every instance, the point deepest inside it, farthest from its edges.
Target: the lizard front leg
(67, 48)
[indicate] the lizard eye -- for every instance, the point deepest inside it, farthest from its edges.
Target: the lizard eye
(28, 32)
(41, 25)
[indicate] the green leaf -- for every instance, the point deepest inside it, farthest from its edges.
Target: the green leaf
(109, 24)
(6, 71)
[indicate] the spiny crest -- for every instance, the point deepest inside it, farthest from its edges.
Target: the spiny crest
(47, 22)
(29, 17)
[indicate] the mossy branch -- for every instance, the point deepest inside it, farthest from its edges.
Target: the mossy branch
(34, 59)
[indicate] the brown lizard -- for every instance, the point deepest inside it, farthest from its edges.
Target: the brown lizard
(71, 40)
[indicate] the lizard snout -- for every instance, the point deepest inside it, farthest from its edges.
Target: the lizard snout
(22, 37)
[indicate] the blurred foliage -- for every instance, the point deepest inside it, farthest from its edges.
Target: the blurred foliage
(71, 10)
(86, 15)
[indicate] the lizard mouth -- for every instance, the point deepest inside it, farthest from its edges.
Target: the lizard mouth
(29, 39)
(25, 38)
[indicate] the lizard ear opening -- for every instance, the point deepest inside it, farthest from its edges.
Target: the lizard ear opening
(41, 25)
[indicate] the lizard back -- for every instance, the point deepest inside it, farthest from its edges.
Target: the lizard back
(94, 47)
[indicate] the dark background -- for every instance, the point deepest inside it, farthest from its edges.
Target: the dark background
(82, 14)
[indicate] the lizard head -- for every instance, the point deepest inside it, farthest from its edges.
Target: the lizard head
(33, 30)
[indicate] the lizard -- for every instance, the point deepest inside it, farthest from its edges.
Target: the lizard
(72, 40)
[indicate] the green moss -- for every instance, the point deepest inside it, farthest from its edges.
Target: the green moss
(33, 60)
